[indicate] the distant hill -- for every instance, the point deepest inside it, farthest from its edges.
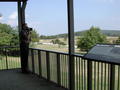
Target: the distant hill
(80, 33)
(111, 32)
(106, 32)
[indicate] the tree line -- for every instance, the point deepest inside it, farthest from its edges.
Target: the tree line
(9, 36)
(92, 37)
(88, 39)
(113, 33)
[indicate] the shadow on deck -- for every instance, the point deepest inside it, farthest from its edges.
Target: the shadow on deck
(15, 80)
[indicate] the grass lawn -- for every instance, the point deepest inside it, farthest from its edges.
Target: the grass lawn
(11, 62)
(57, 48)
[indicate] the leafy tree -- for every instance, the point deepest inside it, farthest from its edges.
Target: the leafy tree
(65, 38)
(91, 38)
(8, 35)
(34, 36)
(15, 38)
(53, 41)
(47, 37)
(118, 40)
(62, 43)
(5, 38)
(57, 41)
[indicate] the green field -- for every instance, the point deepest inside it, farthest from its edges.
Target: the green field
(63, 48)
(9, 62)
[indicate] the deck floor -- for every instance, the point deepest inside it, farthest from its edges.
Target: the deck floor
(15, 80)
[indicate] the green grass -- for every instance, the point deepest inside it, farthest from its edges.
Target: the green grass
(62, 48)
(11, 62)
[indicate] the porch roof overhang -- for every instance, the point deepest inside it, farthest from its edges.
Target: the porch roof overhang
(12, 0)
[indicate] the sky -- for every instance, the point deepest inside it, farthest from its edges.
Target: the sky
(49, 17)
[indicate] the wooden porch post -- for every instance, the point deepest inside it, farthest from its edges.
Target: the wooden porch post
(23, 48)
(70, 8)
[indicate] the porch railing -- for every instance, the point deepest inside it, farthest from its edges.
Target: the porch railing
(88, 75)
(9, 58)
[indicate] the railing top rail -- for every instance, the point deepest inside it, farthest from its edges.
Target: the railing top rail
(9, 46)
(65, 53)
(77, 55)
(103, 61)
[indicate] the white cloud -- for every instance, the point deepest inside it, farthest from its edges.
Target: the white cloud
(13, 15)
(12, 22)
(1, 18)
(12, 19)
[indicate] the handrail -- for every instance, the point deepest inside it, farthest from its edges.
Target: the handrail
(54, 67)
(49, 51)
(9, 57)
(9, 46)
(78, 55)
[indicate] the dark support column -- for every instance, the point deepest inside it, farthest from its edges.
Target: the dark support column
(71, 44)
(112, 77)
(19, 16)
(20, 24)
(23, 11)
(6, 58)
(39, 61)
(24, 48)
(48, 65)
(58, 69)
(32, 56)
(89, 69)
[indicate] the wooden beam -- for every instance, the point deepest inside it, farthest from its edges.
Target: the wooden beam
(23, 11)
(19, 16)
(70, 26)
(19, 22)
(24, 47)
(24, 5)
(70, 9)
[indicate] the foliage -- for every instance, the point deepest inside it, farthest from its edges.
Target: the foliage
(65, 38)
(47, 37)
(81, 33)
(15, 37)
(54, 36)
(90, 38)
(118, 40)
(105, 32)
(57, 41)
(8, 35)
(34, 36)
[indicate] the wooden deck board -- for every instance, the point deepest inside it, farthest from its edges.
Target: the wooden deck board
(15, 80)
